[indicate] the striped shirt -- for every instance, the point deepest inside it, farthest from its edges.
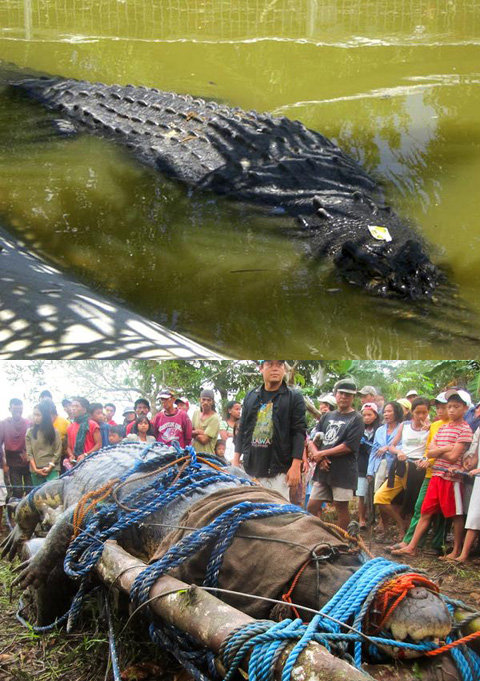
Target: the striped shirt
(450, 434)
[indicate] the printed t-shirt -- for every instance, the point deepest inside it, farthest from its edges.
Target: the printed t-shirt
(262, 436)
(450, 434)
(340, 429)
(169, 427)
(210, 426)
(89, 441)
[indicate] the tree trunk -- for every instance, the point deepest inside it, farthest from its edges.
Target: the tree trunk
(210, 621)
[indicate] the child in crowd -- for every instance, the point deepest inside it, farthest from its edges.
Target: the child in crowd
(220, 449)
(438, 520)
(371, 419)
(142, 431)
(116, 434)
(444, 493)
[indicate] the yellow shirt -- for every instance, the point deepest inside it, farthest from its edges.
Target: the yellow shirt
(61, 425)
(434, 428)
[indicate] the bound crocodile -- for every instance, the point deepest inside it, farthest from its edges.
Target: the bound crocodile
(421, 615)
(256, 158)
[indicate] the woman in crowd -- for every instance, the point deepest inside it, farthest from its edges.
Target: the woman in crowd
(405, 475)
(387, 437)
(227, 426)
(44, 446)
(371, 420)
(142, 431)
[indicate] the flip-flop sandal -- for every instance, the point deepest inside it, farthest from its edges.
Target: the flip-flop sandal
(395, 547)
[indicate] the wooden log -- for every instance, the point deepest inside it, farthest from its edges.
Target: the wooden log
(210, 621)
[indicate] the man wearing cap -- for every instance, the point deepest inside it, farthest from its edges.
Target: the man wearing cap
(272, 429)
(172, 423)
(336, 473)
(206, 424)
(411, 395)
(183, 403)
(444, 493)
(326, 403)
(367, 394)
(128, 416)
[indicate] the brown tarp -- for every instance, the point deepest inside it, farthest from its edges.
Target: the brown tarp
(266, 554)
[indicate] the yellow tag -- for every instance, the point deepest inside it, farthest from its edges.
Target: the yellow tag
(380, 233)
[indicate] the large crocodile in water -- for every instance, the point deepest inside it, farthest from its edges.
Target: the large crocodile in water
(257, 158)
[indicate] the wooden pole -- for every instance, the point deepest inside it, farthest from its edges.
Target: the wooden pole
(210, 621)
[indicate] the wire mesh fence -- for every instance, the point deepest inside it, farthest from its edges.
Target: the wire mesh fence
(237, 19)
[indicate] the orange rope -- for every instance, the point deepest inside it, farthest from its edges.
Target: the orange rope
(392, 593)
(287, 596)
(345, 535)
(83, 507)
(454, 644)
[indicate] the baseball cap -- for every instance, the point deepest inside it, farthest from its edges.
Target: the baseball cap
(405, 403)
(410, 393)
(328, 399)
(209, 394)
(367, 390)
(261, 361)
(441, 398)
(345, 385)
(370, 405)
(462, 394)
(166, 393)
(183, 399)
(128, 410)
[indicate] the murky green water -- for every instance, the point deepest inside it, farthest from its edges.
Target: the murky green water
(396, 83)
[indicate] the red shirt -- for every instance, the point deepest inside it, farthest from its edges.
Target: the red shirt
(89, 441)
(12, 437)
(112, 423)
(169, 427)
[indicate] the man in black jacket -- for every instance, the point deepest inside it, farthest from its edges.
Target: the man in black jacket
(272, 430)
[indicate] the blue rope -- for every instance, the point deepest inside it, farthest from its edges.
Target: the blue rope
(350, 604)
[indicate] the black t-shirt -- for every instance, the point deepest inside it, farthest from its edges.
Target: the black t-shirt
(262, 436)
(339, 429)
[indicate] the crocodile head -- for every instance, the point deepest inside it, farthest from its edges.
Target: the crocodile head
(374, 249)
(421, 616)
(388, 269)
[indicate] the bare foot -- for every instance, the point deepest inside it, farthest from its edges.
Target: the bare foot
(404, 552)
(449, 556)
(461, 559)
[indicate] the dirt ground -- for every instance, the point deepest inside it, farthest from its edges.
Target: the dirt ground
(83, 656)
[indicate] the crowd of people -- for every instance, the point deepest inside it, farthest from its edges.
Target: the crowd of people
(412, 462)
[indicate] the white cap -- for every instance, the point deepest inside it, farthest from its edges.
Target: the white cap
(411, 392)
(463, 395)
(441, 398)
(328, 399)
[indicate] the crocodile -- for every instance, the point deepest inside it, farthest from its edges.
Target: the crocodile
(256, 158)
(422, 614)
